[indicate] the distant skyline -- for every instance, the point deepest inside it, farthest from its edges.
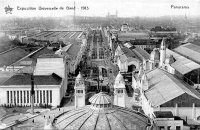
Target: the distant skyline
(125, 8)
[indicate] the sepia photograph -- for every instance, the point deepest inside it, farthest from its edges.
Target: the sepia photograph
(100, 65)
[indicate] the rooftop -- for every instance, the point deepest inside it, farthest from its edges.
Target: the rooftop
(11, 56)
(164, 87)
(182, 64)
(141, 53)
(190, 51)
(111, 118)
(163, 114)
(74, 49)
(25, 79)
(42, 51)
(5, 75)
(127, 36)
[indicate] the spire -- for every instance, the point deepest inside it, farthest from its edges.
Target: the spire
(162, 53)
(163, 44)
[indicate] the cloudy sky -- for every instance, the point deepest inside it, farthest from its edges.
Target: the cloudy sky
(126, 8)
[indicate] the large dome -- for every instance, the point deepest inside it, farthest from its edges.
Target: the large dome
(102, 114)
(155, 55)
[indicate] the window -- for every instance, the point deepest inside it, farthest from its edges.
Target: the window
(37, 96)
(47, 96)
(21, 96)
(40, 96)
(120, 91)
(7, 96)
(44, 96)
(168, 127)
(178, 128)
(17, 96)
(24, 96)
(79, 91)
(27, 96)
(161, 127)
(50, 96)
(11, 101)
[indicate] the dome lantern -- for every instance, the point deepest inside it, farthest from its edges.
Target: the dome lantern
(101, 100)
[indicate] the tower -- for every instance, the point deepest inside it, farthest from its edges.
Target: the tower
(119, 91)
(79, 91)
(154, 59)
(162, 53)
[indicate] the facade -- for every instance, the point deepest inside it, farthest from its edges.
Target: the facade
(49, 90)
(50, 78)
(166, 121)
(126, 60)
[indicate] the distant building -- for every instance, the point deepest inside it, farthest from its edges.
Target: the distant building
(128, 58)
(124, 27)
(56, 35)
(165, 120)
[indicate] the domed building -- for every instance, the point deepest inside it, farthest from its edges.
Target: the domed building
(154, 58)
(158, 56)
(102, 114)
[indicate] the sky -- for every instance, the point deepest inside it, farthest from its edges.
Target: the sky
(125, 8)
